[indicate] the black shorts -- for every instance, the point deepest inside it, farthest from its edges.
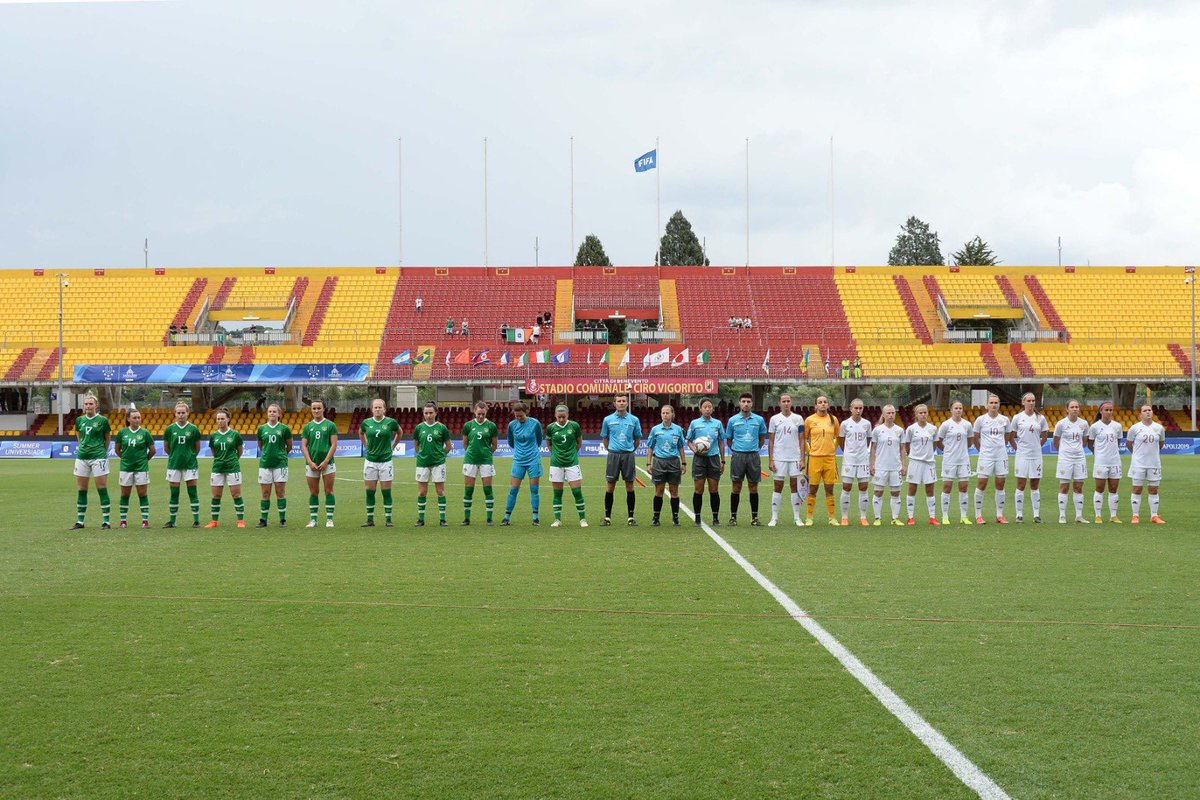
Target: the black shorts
(706, 467)
(666, 470)
(746, 466)
(620, 466)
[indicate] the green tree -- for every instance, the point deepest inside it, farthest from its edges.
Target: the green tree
(591, 253)
(975, 253)
(679, 246)
(916, 246)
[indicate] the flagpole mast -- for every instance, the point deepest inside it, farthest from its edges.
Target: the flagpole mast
(832, 256)
(657, 208)
(485, 208)
(747, 201)
(400, 194)
(571, 255)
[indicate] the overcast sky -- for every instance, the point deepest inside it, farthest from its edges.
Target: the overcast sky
(266, 133)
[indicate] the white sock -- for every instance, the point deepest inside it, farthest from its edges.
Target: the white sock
(1114, 504)
(1098, 503)
(979, 502)
(1154, 505)
(796, 506)
(845, 503)
(895, 506)
(1062, 506)
(999, 502)
(1135, 500)
(962, 504)
(931, 506)
(910, 503)
(1019, 503)
(1078, 498)
(775, 498)
(1035, 496)
(945, 504)
(877, 505)
(863, 496)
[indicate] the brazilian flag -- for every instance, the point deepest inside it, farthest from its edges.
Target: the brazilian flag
(424, 357)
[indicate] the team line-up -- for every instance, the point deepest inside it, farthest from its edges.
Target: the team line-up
(801, 452)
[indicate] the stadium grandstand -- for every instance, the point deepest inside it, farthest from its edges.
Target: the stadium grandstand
(505, 327)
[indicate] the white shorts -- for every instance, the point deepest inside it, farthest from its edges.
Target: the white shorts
(133, 478)
(855, 472)
(431, 474)
(378, 471)
(953, 472)
(91, 469)
(309, 472)
(1145, 476)
(225, 479)
(182, 475)
(1070, 470)
(786, 469)
(921, 472)
(890, 477)
(1112, 473)
(1028, 467)
(566, 474)
(276, 475)
(988, 466)
(479, 470)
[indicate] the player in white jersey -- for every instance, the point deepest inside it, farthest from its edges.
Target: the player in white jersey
(1027, 435)
(1104, 437)
(854, 437)
(1069, 436)
(1146, 438)
(991, 440)
(886, 463)
(785, 453)
(918, 452)
(954, 442)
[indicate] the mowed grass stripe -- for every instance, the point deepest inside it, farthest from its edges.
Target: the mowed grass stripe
(116, 696)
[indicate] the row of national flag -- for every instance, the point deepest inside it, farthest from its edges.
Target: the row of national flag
(652, 358)
(684, 357)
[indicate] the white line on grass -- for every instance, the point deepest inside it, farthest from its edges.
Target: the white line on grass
(962, 767)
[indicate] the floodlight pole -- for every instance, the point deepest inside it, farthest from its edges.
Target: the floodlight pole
(62, 278)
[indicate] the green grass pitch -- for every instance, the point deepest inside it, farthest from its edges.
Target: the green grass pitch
(608, 662)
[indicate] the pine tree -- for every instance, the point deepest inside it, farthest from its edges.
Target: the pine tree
(679, 246)
(975, 253)
(591, 253)
(916, 246)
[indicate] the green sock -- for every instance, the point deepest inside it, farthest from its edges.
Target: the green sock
(442, 507)
(105, 504)
(214, 508)
(264, 509)
(489, 501)
(558, 493)
(240, 508)
(173, 504)
(580, 506)
(314, 505)
(124, 504)
(330, 506)
(387, 504)
(468, 500)
(80, 506)
(281, 504)
(370, 505)
(144, 502)
(194, 501)
(420, 508)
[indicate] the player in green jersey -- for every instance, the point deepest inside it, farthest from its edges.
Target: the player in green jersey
(91, 460)
(135, 448)
(274, 444)
(480, 436)
(318, 443)
(181, 440)
(226, 446)
(379, 435)
(566, 437)
(433, 445)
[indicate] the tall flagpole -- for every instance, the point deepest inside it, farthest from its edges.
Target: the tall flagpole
(400, 194)
(485, 208)
(832, 257)
(747, 201)
(657, 207)
(572, 253)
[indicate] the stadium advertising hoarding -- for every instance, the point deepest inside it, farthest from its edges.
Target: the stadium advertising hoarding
(220, 373)
(620, 386)
(26, 449)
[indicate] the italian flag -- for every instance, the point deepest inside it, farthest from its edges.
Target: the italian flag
(604, 358)
(702, 357)
(541, 357)
(523, 361)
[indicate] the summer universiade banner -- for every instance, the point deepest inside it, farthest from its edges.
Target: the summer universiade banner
(220, 373)
(620, 386)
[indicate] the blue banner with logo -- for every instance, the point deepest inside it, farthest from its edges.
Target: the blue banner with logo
(220, 373)
(26, 449)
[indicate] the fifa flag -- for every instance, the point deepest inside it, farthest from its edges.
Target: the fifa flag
(424, 357)
(505, 359)
(646, 161)
(562, 357)
(481, 358)
(767, 362)
(463, 357)
(403, 358)
(541, 357)
(682, 357)
(702, 358)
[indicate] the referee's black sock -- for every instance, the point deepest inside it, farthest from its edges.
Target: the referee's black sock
(734, 499)
(754, 504)
(675, 507)
(697, 502)
(608, 501)
(657, 505)
(630, 501)
(714, 500)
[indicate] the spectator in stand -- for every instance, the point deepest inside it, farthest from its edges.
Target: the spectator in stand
(245, 406)
(171, 333)
(845, 369)
(857, 367)
(420, 304)
(536, 334)
(449, 327)
(746, 323)
(503, 331)
(539, 320)
(828, 369)
(465, 329)
(258, 405)
(731, 322)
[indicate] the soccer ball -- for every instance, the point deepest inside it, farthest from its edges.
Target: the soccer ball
(702, 444)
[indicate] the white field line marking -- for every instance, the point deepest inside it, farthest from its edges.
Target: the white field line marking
(962, 767)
